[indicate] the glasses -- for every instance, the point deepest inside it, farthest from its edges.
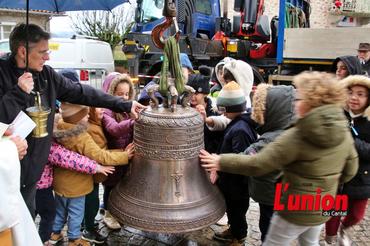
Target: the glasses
(44, 53)
(357, 94)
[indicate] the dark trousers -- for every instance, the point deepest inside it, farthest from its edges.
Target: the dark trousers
(91, 208)
(107, 191)
(236, 210)
(45, 207)
(29, 196)
(266, 212)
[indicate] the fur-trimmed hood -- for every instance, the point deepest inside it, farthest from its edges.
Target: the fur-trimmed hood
(111, 82)
(66, 130)
(360, 80)
(273, 107)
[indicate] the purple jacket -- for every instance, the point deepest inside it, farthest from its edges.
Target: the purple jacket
(119, 134)
(62, 157)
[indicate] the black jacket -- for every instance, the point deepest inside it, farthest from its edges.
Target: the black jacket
(53, 86)
(359, 186)
(238, 135)
(366, 68)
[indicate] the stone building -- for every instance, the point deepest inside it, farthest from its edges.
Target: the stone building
(11, 17)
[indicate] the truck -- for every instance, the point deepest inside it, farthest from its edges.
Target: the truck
(276, 49)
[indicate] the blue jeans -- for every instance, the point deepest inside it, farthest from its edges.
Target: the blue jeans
(70, 210)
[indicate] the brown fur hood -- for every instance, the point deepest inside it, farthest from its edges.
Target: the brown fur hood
(118, 79)
(361, 81)
(67, 130)
(273, 107)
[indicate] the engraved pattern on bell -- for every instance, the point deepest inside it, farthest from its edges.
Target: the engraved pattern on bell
(166, 189)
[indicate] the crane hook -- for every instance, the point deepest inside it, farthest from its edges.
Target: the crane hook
(158, 31)
(170, 12)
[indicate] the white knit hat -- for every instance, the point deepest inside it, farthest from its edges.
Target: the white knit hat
(243, 74)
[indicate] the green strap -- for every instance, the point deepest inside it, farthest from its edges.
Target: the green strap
(171, 63)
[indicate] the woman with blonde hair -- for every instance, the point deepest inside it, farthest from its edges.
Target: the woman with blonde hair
(315, 155)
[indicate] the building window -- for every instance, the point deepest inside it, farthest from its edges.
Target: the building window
(6, 28)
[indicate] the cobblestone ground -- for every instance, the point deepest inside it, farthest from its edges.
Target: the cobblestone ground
(131, 236)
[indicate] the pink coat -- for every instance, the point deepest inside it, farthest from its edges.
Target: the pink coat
(64, 158)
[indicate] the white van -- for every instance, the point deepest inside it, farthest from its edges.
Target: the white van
(92, 59)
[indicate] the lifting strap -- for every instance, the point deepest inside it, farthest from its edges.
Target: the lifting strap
(171, 63)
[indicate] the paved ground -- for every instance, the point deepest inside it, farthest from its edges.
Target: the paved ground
(131, 236)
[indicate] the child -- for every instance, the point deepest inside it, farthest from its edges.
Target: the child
(144, 98)
(64, 158)
(344, 66)
(358, 189)
(273, 110)
(119, 131)
(317, 153)
(203, 104)
(92, 199)
(237, 137)
(45, 203)
(71, 187)
(242, 73)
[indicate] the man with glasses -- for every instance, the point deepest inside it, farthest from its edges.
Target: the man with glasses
(17, 92)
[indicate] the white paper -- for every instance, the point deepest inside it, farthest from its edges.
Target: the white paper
(3, 128)
(22, 125)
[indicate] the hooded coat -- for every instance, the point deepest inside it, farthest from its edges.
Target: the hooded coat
(318, 152)
(117, 127)
(69, 183)
(352, 63)
(273, 109)
(359, 186)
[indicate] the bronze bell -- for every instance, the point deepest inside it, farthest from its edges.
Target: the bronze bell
(39, 114)
(166, 190)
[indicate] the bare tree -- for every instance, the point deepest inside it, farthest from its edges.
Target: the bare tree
(108, 26)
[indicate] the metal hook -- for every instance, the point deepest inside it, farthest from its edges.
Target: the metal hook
(158, 31)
